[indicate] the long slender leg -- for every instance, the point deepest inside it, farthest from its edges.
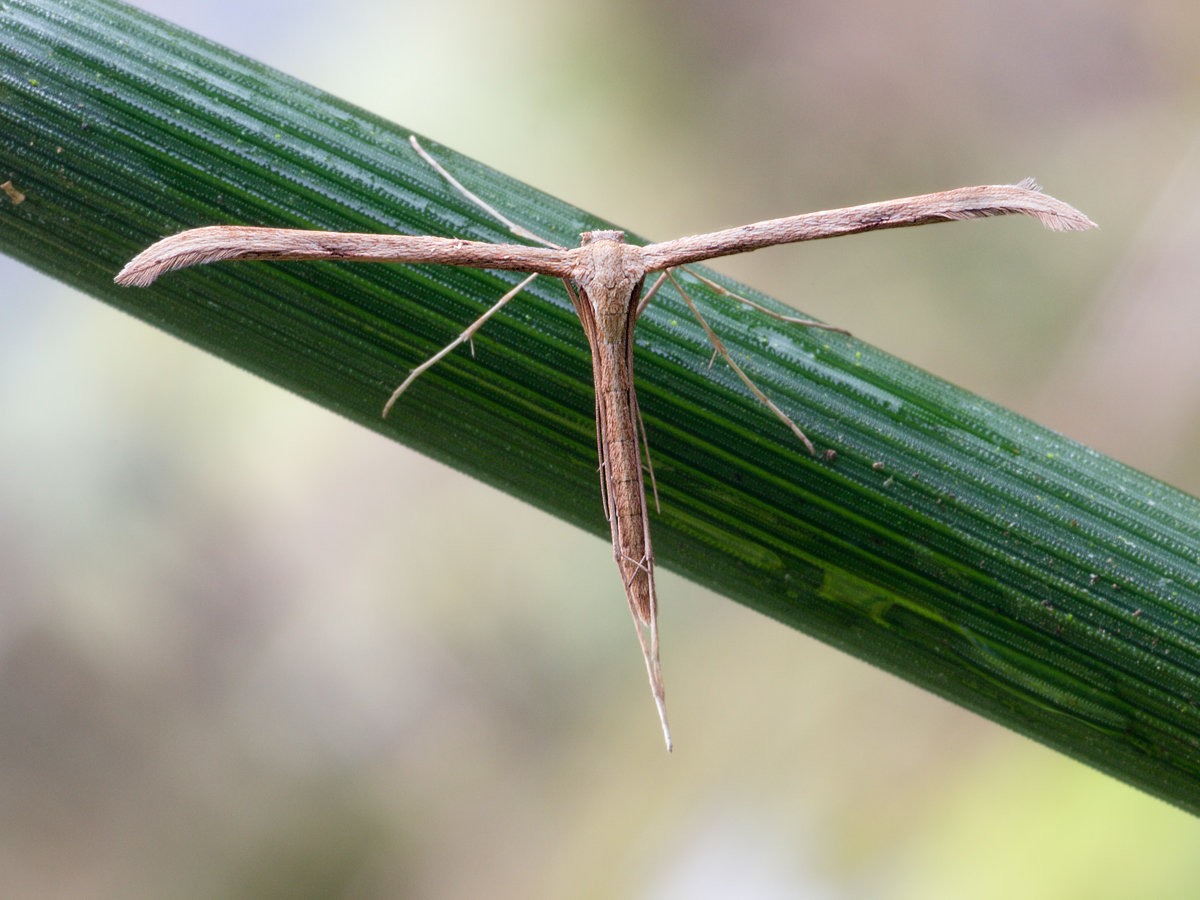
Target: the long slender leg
(649, 649)
(650, 652)
(461, 339)
(794, 320)
(637, 411)
(716, 342)
(648, 295)
(646, 298)
(656, 682)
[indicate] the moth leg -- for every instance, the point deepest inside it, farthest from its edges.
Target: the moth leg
(794, 320)
(646, 298)
(637, 411)
(649, 648)
(716, 342)
(461, 339)
(649, 294)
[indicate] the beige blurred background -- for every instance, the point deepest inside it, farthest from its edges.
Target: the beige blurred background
(248, 650)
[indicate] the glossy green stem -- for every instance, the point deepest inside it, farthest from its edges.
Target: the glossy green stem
(937, 535)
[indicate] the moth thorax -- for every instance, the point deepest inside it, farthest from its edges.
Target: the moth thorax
(588, 236)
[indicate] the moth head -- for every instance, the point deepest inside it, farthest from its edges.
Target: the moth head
(588, 236)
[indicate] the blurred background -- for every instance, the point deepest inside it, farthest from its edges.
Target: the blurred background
(248, 650)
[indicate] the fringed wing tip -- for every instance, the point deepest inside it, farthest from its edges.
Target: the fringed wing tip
(136, 273)
(1053, 214)
(193, 247)
(143, 270)
(161, 257)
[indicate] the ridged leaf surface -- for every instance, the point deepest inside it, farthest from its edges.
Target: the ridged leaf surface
(945, 539)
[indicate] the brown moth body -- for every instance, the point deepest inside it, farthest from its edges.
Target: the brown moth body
(608, 291)
(604, 277)
(609, 276)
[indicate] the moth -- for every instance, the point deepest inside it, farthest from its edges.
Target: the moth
(605, 278)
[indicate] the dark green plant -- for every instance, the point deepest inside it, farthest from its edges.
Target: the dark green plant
(945, 539)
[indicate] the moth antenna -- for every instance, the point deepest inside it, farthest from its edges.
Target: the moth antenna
(508, 223)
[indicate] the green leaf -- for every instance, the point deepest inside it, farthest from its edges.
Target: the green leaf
(945, 539)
